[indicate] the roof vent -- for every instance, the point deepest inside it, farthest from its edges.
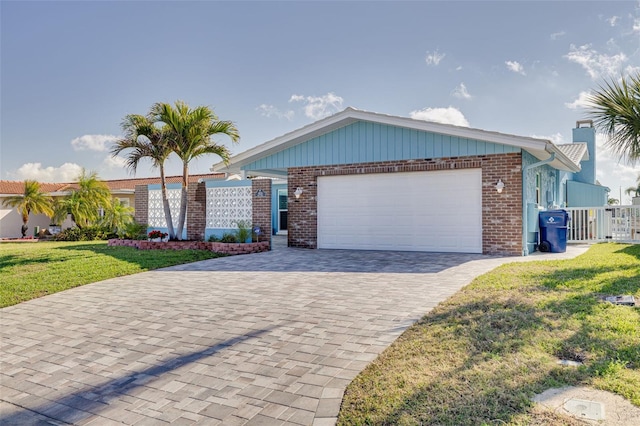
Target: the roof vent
(587, 123)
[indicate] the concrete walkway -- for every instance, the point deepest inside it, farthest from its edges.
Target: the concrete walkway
(269, 338)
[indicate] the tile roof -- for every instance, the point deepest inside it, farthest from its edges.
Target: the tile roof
(17, 187)
(576, 151)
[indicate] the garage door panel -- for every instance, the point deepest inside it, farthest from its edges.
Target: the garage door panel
(425, 211)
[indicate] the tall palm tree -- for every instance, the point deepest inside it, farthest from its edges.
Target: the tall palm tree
(30, 201)
(85, 201)
(190, 132)
(615, 109)
(144, 140)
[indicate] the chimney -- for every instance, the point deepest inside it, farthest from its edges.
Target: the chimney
(585, 132)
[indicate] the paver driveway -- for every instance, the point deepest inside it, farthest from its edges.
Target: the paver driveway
(270, 338)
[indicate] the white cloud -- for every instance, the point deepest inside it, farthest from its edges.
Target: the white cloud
(318, 107)
(93, 142)
(461, 92)
(581, 102)
(557, 35)
(636, 25)
(68, 172)
(434, 58)
(271, 111)
(613, 21)
(459, 68)
(555, 138)
(597, 65)
(449, 115)
(115, 162)
(515, 67)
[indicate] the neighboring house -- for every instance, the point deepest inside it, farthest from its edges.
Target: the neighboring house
(122, 189)
(363, 180)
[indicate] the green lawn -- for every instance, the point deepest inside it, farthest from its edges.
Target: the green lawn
(479, 357)
(30, 270)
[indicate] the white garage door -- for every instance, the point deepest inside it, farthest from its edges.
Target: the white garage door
(438, 211)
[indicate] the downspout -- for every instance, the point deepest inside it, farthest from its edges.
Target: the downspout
(525, 231)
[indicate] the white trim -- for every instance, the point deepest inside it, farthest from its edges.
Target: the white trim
(540, 148)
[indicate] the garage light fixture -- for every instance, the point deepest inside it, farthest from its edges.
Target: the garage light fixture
(499, 186)
(298, 192)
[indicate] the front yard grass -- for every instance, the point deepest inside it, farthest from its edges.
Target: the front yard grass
(31, 270)
(478, 358)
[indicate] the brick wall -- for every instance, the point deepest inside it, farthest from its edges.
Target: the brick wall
(141, 204)
(501, 213)
(262, 207)
(196, 211)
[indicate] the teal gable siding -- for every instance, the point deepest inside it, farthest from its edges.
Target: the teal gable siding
(366, 142)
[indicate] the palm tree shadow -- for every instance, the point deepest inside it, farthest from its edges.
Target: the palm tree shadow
(88, 402)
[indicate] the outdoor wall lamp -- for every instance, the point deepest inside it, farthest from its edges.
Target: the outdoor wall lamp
(298, 192)
(499, 186)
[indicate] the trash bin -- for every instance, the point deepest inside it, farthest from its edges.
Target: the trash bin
(553, 231)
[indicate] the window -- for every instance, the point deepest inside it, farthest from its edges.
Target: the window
(538, 189)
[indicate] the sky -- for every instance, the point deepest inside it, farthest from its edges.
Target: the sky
(71, 71)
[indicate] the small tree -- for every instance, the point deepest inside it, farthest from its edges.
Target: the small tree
(635, 190)
(85, 201)
(31, 201)
(117, 217)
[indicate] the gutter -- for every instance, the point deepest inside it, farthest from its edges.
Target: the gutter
(525, 231)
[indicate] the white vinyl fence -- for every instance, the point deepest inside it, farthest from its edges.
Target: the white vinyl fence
(610, 223)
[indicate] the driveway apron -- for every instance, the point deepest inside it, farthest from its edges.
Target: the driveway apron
(269, 338)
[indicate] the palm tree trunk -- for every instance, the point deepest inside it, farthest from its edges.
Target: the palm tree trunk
(183, 202)
(165, 205)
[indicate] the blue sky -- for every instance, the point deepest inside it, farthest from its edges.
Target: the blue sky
(70, 71)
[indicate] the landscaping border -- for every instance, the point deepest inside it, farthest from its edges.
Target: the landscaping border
(224, 248)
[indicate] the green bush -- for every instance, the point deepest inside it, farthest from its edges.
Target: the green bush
(244, 230)
(213, 239)
(88, 233)
(228, 238)
(135, 231)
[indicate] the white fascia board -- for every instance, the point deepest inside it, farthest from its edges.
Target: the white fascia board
(561, 161)
(351, 115)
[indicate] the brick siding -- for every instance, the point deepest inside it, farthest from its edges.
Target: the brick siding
(262, 207)
(141, 204)
(501, 213)
(196, 211)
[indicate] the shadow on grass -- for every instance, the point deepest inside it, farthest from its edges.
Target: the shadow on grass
(89, 402)
(502, 343)
(145, 259)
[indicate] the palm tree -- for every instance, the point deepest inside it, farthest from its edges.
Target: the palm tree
(117, 216)
(85, 201)
(189, 132)
(634, 189)
(144, 140)
(615, 109)
(31, 201)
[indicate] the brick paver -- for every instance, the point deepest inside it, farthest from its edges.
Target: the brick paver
(263, 339)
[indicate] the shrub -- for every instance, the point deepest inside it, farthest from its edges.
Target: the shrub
(135, 231)
(88, 233)
(213, 239)
(244, 230)
(157, 234)
(228, 238)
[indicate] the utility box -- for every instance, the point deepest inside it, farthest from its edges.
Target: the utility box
(553, 231)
